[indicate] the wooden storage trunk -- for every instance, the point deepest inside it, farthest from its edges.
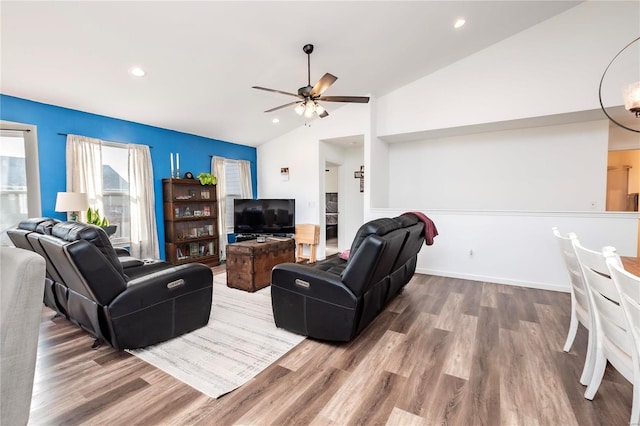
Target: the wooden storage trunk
(249, 263)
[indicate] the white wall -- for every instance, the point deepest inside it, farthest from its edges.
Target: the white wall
(300, 150)
(621, 139)
(555, 168)
(551, 68)
(331, 179)
(351, 200)
(376, 172)
(516, 248)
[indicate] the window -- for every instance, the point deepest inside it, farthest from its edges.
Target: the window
(115, 190)
(19, 176)
(232, 188)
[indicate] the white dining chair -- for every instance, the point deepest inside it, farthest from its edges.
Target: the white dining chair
(614, 342)
(580, 305)
(628, 286)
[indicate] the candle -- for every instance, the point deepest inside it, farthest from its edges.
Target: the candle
(177, 164)
(171, 165)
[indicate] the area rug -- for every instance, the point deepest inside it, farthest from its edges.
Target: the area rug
(239, 342)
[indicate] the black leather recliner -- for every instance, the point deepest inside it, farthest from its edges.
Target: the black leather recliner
(336, 299)
(124, 301)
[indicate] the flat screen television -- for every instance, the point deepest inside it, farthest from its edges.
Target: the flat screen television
(265, 216)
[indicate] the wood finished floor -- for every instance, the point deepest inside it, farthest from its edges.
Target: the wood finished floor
(446, 351)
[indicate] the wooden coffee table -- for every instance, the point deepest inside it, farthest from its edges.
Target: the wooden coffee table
(249, 263)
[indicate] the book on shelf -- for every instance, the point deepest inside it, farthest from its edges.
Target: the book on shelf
(193, 249)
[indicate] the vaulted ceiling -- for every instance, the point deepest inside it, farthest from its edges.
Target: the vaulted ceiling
(201, 58)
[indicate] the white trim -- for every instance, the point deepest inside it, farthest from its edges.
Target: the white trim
(30, 135)
(494, 280)
(582, 214)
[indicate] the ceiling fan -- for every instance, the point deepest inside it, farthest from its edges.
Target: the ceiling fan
(310, 95)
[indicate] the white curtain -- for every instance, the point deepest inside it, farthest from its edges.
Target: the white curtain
(84, 169)
(144, 233)
(245, 178)
(217, 169)
(84, 174)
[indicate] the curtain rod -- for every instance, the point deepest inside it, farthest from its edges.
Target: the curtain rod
(17, 130)
(124, 143)
(211, 156)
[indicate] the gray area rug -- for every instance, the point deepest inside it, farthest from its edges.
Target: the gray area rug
(239, 342)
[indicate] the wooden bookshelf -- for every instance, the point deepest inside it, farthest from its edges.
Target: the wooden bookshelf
(190, 222)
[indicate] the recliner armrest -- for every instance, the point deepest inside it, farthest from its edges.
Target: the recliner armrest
(311, 282)
(122, 251)
(160, 286)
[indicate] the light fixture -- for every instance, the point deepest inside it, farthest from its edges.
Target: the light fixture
(631, 97)
(309, 107)
(459, 23)
(630, 94)
(275, 120)
(137, 72)
(71, 202)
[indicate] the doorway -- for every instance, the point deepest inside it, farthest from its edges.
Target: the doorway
(623, 180)
(331, 185)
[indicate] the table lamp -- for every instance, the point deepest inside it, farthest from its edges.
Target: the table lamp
(72, 202)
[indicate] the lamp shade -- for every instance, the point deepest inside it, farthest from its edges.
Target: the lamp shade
(71, 202)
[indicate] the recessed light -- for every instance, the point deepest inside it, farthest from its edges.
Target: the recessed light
(459, 23)
(137, 72)
(275, 121)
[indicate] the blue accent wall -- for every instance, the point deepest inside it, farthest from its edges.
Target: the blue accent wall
(195, 151)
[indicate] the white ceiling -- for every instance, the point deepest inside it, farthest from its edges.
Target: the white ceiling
(203, 57)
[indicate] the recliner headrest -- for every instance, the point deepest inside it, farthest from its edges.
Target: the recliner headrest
(46, 226)
(32, 223)
(407, 220)
(379, 227)
(74, 231)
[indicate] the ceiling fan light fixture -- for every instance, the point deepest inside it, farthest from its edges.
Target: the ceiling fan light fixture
(309, 109)
(308, 94)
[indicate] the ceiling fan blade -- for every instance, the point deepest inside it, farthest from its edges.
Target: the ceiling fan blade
(323, 84)
(276, 91)
(283, 106)
(324, 114)
(356, 99)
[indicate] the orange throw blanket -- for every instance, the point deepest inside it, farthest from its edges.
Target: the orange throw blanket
(430, 231)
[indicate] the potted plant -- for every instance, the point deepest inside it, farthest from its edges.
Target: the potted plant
(93, 217)
(207, 179)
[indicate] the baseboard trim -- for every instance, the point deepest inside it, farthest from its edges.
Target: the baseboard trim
(496, 280)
